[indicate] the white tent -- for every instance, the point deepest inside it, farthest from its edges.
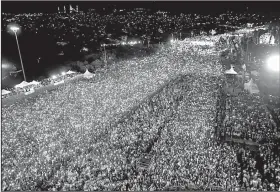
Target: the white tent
(250, 24)
(30, 91)
(59, 82)
(231, 71)
(34, 83)
(213, 32)
(264, 39)
(88, 74)
(70, 72)
(22, 84)
(5, 92)
(251, 87)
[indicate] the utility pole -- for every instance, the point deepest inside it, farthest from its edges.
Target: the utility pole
(15, 29)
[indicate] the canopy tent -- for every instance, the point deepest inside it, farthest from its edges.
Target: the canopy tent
(88, 74)
(22, 84)
(213, 32)
(59, 82)
(5, 92)
(267, 38)
(250, 25)
(70, 72)
(30, 91)
(231, 71)
(34, 83)
(251, 87)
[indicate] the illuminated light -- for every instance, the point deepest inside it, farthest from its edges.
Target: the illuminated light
(54, 77)
(273, 63)
(171, 40)
(14, 28)
(5, 66)
(63, 73)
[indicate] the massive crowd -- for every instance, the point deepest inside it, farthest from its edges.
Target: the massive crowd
(249, 123)
(87, 104)
(248, 118)
(88, 135)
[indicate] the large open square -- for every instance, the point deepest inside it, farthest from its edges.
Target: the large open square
(173, 103)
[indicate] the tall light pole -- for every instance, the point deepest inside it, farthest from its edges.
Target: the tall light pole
(15, 29)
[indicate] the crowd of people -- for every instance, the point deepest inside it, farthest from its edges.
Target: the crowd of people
(248, 118)
(249, 124)
(66, 117)
(259, 170)
(88, 135)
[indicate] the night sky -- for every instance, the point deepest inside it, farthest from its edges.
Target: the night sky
(175, 6)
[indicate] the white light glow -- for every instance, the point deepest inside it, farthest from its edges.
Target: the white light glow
(54, 77)
(273, 63)
(14, 28)
(5, 66)
(63, 73)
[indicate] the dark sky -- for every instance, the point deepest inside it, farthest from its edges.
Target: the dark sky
(175, 6)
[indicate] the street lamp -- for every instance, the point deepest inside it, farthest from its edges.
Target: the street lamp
(15, 29)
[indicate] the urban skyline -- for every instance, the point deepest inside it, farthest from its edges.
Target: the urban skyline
(178, 6)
